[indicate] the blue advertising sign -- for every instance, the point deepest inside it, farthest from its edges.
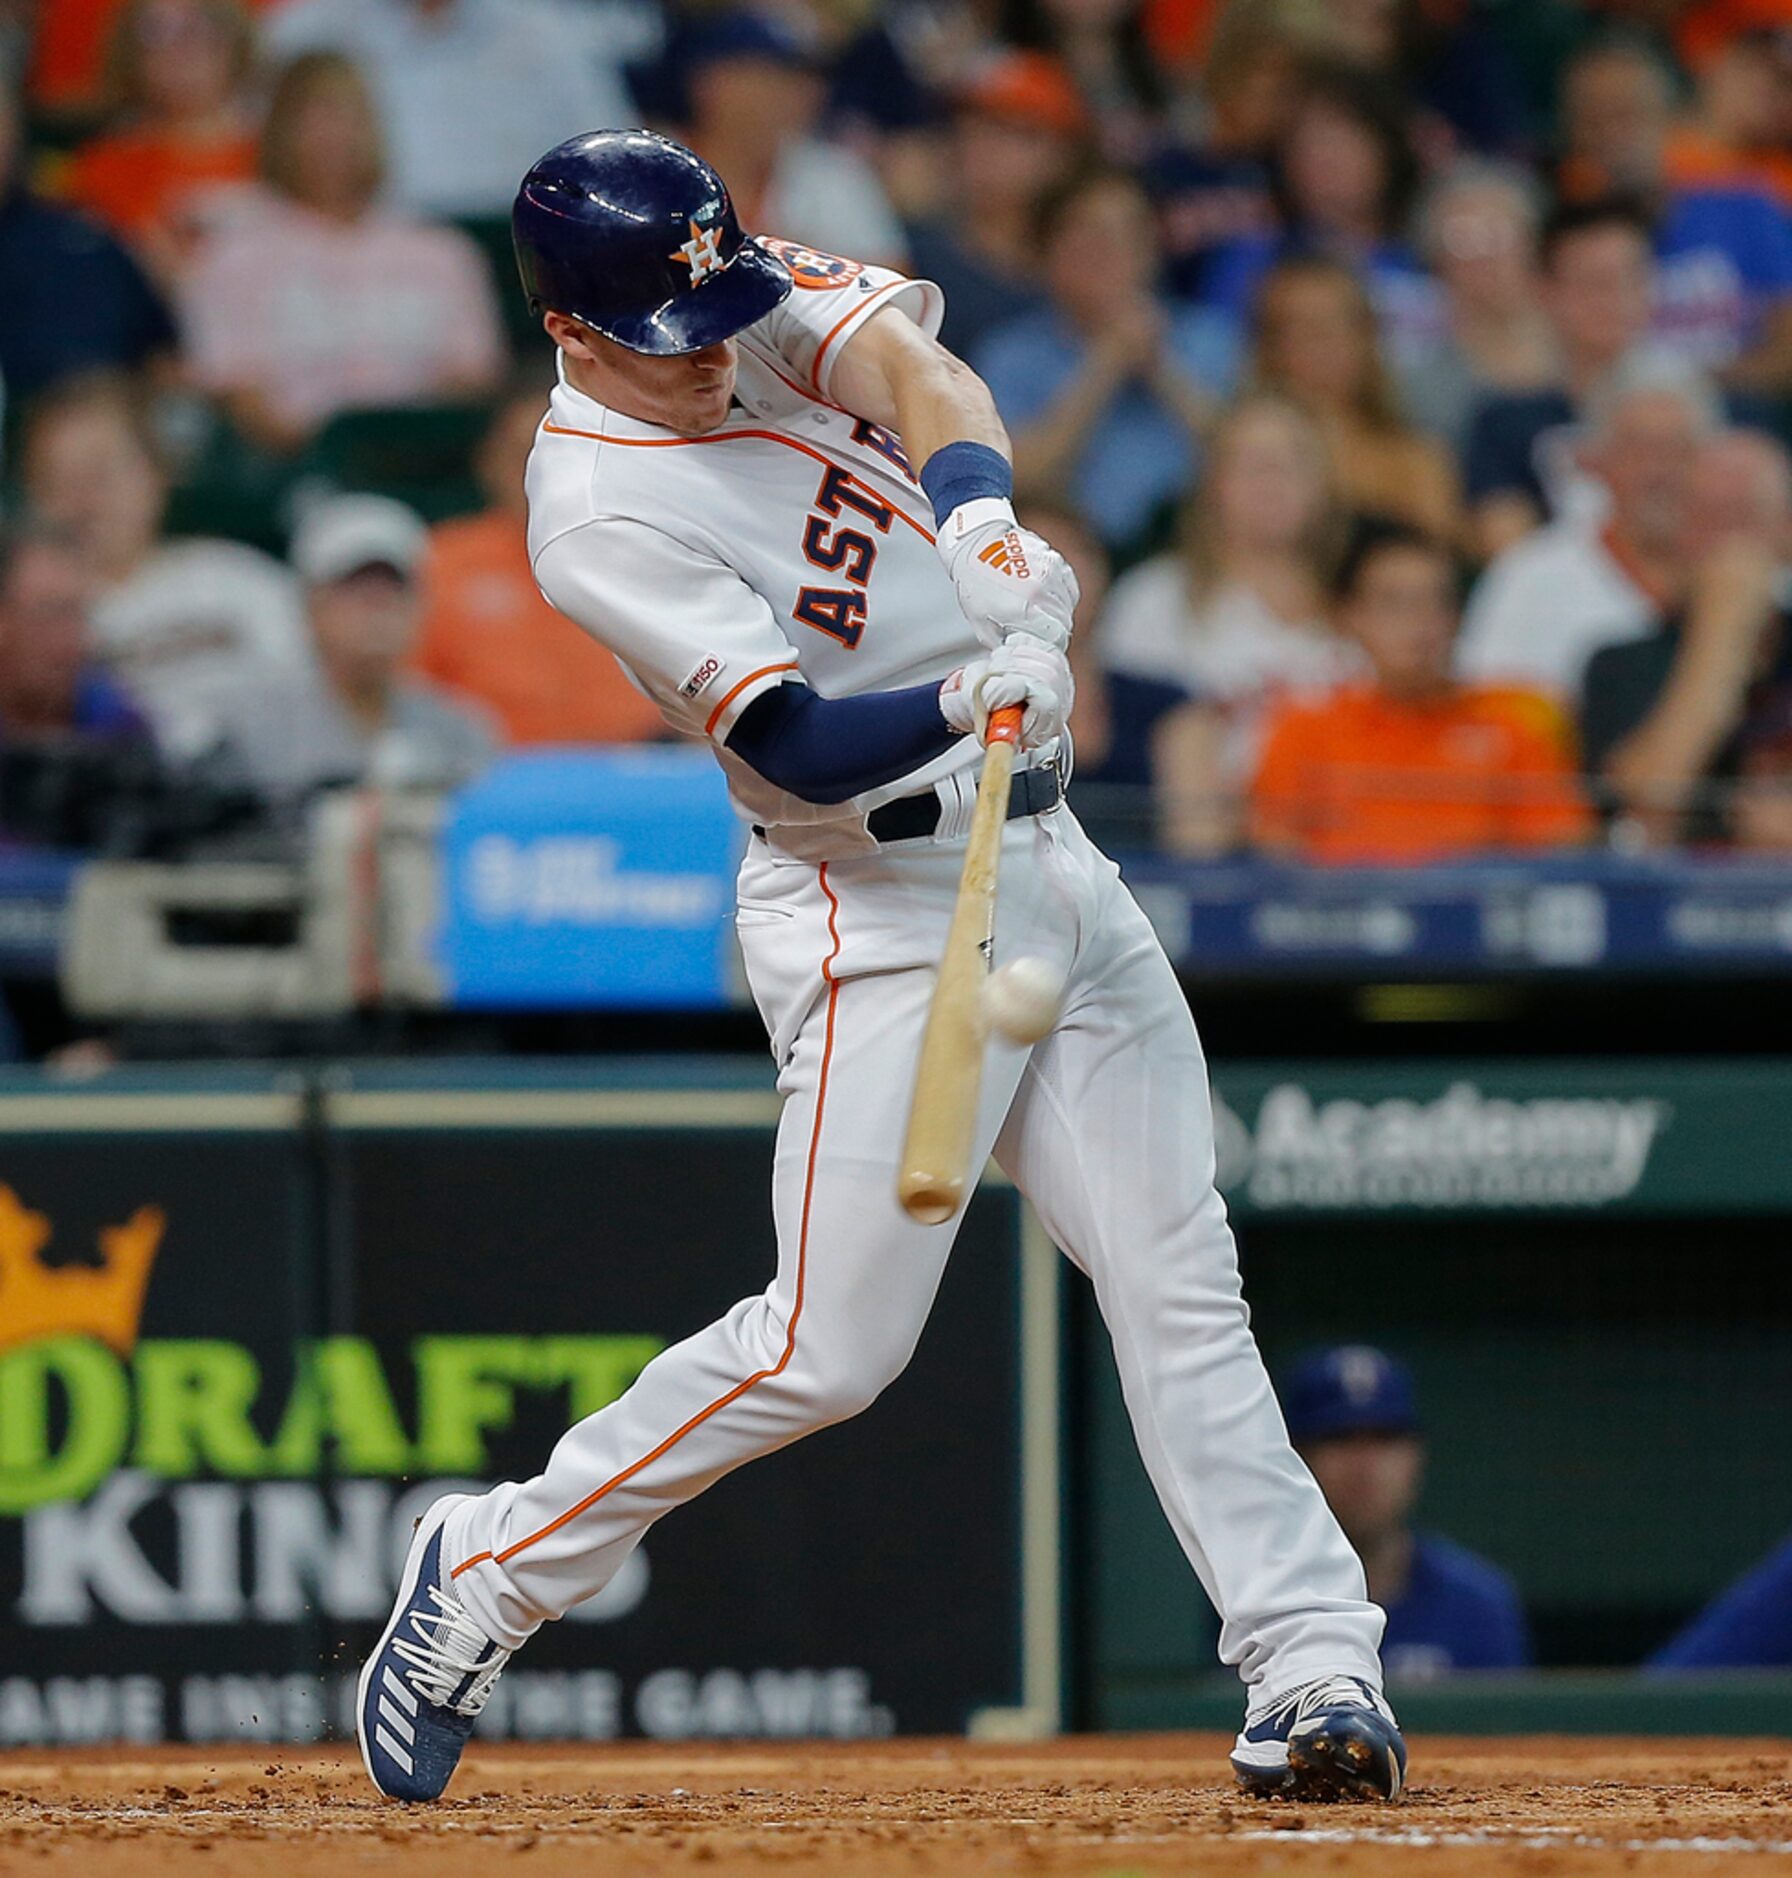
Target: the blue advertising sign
(590, 877)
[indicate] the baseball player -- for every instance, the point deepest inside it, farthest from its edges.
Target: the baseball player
(786, 510)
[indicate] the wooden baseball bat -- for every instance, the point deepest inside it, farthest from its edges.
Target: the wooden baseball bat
(942, 1116)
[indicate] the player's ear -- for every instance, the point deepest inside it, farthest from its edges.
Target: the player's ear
(569, 335)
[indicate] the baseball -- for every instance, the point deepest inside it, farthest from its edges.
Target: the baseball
(1021, 999)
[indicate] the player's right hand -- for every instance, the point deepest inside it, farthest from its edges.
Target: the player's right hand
(1022, 670)
(1008, 579)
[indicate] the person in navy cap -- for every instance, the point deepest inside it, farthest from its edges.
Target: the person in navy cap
(1352, 1415)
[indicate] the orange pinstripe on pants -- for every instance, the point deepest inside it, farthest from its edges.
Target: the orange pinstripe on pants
(802, 1261)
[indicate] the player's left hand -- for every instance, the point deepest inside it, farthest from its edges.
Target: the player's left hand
(1009, 580)
(1022, 670)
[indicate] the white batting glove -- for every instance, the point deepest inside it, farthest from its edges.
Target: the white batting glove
(1023, 670)
(1009, 580)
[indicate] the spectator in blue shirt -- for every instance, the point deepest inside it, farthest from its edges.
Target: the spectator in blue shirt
(1017, 128)
(1724, 252)
(1107, 389)
(1747, 1626)
(1345, 177)
(1352, 1415)
(71, 299)
(1213, 188)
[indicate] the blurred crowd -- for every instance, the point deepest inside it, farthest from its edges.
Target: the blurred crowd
(1406, 379)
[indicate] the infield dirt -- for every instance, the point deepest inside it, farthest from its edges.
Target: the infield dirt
(1105, 1806)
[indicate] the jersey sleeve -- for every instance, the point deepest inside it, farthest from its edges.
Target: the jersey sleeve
(831, 299)
(695, 637)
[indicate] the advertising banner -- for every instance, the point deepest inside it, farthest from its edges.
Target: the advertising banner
(235, 1366)
(162, 1423)
(1468, 1137)
(1557, 914)
(579, 878)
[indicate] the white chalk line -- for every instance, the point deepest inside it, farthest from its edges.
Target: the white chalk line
(1526, 1838)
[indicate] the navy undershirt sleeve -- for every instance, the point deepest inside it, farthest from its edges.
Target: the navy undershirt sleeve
(832, 749)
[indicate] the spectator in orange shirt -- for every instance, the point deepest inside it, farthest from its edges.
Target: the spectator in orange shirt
(1411, 766)
(183, 144)
(68, 56)
(487, 631)
(1741, 123)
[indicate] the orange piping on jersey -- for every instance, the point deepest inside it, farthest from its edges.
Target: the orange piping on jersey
(727, 436)
(802, 1267)
(802, 391)
(846, 320)
(752, 678)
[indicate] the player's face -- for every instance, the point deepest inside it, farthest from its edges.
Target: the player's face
(690, 394)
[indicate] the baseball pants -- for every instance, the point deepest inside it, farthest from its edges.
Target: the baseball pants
(1106, 1126)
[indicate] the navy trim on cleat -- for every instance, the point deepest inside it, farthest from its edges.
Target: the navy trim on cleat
(1332, 1739)
(428, 1677)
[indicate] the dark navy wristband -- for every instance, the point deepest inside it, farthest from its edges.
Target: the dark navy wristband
(958, 473)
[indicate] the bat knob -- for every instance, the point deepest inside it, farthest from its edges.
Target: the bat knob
(931, 1199)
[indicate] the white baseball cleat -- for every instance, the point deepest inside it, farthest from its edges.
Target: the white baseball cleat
(1332, 1739)
(428, 1677)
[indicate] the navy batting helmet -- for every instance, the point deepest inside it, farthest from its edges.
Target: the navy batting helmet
(635, 236)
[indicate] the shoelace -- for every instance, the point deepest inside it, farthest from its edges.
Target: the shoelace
(1327, 1692)
(457, 1650)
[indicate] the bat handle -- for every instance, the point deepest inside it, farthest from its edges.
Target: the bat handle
(1004, 725)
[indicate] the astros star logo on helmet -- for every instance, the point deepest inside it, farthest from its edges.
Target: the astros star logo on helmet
(702, 253)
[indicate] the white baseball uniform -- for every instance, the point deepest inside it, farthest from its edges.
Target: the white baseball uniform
(793, 541)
